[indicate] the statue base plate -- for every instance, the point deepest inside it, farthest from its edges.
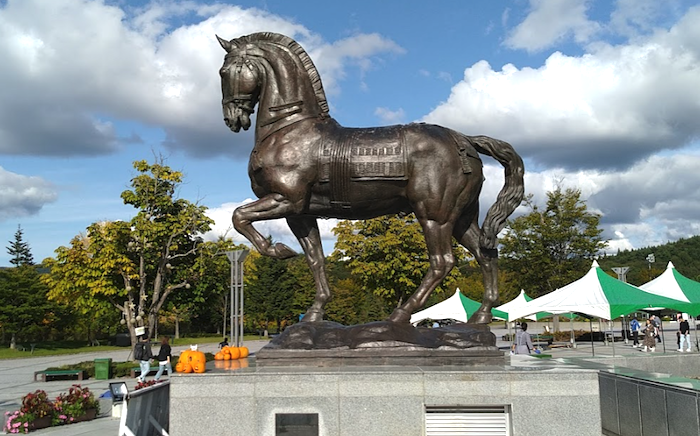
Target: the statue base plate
(327, 343)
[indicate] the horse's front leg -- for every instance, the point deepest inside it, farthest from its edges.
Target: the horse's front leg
(306, 231)
(269, 207)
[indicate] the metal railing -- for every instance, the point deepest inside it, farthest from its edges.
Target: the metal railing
(631, 406)
(146, 412)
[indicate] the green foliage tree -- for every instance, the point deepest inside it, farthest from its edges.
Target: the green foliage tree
(269, 291)
(134, 266)
(25, 313)
(387, 256)
(552, 246)
(19, 250)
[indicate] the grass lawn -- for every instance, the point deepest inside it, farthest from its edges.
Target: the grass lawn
(73, 347)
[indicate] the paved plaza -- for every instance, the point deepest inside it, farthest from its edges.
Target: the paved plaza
(17, 375)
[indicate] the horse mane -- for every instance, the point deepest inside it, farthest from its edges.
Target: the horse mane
(304, 58)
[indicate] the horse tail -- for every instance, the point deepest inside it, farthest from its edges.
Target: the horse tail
(511, 194)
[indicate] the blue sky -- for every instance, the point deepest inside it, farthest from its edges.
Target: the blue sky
(601, 96)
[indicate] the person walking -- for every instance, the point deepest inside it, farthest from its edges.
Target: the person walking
(523, 341)
(634, 326)
(164, 356)
(650, 333)
(684, 331)
(143, 353)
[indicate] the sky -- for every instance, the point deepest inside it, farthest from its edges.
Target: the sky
(599, 96)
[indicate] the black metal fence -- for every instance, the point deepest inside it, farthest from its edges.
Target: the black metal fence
(632, 406)
(146, 412)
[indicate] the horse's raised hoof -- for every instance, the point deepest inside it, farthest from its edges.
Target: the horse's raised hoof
(480, 317)
(281, 251)
(313, 316)
(400, 315)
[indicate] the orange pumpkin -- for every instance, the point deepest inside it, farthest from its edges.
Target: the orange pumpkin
(227, 356)
(178, 366)
(186, 367)
(198, 361)
(219, 356)
(235, 352)
(244, 352)
(226, 350)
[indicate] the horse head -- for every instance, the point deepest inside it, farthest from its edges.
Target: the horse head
(274, 71)
(240, 86)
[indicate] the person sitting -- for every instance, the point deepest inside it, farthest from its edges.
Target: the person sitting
(224, 343)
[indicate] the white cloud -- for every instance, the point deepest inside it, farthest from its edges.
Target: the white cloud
(607, 108)
(22, 196)
(551, 21)
(86, 58)
(387, 116)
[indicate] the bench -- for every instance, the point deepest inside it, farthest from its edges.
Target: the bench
(137, 371)
(58, 373)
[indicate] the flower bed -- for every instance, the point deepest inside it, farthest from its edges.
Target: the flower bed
(38, 411)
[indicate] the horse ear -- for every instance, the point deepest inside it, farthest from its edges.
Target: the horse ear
(225, 44)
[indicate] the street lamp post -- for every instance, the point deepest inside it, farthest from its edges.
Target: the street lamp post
(651, 259)
(236, 257)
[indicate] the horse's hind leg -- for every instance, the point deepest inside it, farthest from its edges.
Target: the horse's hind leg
(306, 231)
(269, 207)
(438, 238)
(468, 233)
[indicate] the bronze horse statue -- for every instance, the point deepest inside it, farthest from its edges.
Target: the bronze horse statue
(305, 165)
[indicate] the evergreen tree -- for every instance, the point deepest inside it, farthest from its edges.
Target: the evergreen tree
(19, 250)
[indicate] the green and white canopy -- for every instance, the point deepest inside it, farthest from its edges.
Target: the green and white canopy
(673, 284)
(457, 307)
(520, 301)
(596, 294)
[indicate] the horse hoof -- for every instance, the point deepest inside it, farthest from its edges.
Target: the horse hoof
(401, 316)
(479, 317)
(312, 317)
(283, 252)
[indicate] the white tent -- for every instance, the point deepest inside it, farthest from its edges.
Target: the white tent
(674, 285)
(519, 301)
(457, 307)
(595, 294)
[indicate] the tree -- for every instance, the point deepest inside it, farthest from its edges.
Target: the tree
(269, 290)
(551, 247)
(19, 250)
(25, 312)
(134, 266)
(387, 256)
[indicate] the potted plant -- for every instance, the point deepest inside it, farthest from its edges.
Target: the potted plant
(79, 404)
(36, 412)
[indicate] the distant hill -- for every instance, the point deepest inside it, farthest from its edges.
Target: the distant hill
(684, 253)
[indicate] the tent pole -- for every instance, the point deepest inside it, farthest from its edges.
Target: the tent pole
(612, 335)
(690, 330)
(573, 336)
(590, 324)
(661, 327)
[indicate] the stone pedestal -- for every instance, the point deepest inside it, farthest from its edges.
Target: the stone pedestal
(540, 397)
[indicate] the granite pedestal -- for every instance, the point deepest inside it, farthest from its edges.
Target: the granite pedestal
(539, 397)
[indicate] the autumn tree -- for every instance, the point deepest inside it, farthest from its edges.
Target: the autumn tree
(135, 266)
(19, 250)
(553, 245)
(387, 256)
